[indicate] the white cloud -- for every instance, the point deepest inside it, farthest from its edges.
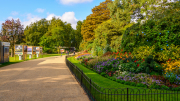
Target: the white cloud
(30, 19)
(10, 18)
(69, 17)
(40, 10)
(14, 13)
(74, 1)
(49, 17)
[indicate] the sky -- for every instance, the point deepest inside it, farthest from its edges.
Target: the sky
(29, 11)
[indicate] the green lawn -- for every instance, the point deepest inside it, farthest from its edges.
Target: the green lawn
(103, 83)
(12, 60)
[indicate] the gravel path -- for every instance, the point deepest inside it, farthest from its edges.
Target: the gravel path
(45, 79)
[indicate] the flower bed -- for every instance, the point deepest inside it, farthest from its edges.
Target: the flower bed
(127, 69)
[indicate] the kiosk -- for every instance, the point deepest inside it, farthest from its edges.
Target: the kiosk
(4, 52)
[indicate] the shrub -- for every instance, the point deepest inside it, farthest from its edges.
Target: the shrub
(133, 84)
(103, 74)
(168, 52)
(154, 86)
(122, 81)
(127, 83)
(140, 85)
(143, 52)
(172, 67)
(164, 87)
(118, 80)
(176, 89)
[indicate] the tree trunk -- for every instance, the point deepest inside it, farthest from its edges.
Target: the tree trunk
(11, 52)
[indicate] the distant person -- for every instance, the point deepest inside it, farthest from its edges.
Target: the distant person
(74, 52)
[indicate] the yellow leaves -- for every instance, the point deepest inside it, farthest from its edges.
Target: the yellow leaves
(171, 66)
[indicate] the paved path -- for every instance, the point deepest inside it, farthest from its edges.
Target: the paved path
(45, 79)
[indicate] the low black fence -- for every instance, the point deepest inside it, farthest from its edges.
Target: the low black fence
(97, 93)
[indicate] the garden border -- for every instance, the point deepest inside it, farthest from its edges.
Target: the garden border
(97, 93)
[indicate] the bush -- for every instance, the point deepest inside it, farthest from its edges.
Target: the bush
(143, 52)
(127, 83)
(133, 84)
(164, 87)
(154, 86)
(118, 80)
(140, 85)
(103, 74)
(122, 81)
(176, 89)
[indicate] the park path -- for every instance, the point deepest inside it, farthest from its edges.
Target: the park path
(45, 79)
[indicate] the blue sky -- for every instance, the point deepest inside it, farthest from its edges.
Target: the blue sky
(33, 10)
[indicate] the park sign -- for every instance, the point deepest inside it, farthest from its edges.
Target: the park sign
(29, 49)
(20, 49)
(37, 50)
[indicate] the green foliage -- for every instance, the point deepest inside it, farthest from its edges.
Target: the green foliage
(143, 52)
(35, 31)
(103, 74)
(154, 86)
(164, 87)
(78, 37)
(127, 83)
(133, 84)
(170, 52)
(140, 85)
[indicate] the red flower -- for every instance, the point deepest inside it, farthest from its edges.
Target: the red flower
(169, 59)
(138, 65)
(129, 53)
(135, 61)
(125, 52)
(143, 59)
(121, 50)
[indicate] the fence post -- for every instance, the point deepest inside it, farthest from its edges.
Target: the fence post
(81, 77)
(90, 87)
(127, 94)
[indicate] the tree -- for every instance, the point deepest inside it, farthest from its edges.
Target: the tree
(11, 31)
(100, 13)
(59, 34)
(78, 36)
(35, 31)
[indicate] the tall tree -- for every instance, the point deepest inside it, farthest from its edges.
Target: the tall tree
(78, 36)
(11, 31)
(100, 13)
(35, 31)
